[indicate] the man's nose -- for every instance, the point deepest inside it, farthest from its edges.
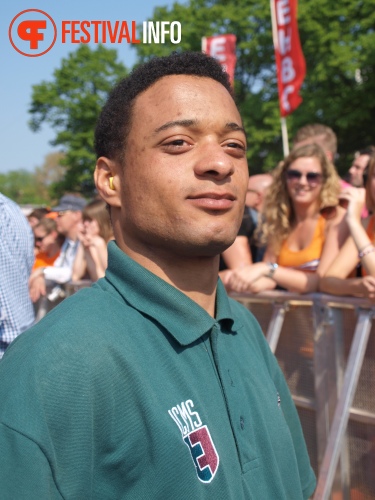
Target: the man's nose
(214, 161)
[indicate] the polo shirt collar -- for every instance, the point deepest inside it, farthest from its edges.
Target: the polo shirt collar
(185, 320)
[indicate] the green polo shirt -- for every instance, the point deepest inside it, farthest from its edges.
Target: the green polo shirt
(130, 390)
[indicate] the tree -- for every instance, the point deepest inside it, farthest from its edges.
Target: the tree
(71, 103)
(21, 186)
(49, 176)
(338, 41)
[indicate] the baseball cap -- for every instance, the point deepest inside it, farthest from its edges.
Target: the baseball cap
(70, 202)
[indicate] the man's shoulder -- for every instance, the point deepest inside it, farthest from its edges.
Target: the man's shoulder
(73, 346)
(77, 323)
(251, 332)
(242, 312)
(10, 207)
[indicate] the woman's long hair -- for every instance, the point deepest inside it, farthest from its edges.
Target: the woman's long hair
(97, 210)
(279, 216)
(370, 173)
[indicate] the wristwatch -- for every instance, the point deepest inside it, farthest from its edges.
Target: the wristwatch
(272, 266)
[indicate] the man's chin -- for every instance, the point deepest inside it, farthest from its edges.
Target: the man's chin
(208, 249)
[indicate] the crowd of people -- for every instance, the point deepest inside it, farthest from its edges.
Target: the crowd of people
(63, 244)
(116, 371)
(304, 229)
(311, 226)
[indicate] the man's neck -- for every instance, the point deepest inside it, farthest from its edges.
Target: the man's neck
(195, 277)
(72, 234)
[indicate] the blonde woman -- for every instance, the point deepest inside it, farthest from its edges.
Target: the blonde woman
(301, 243)
(92, 254)
(359, 247)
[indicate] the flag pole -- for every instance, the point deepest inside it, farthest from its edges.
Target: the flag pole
(284, 128)
(284, 134)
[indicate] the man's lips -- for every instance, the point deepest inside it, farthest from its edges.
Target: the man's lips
(213, 201)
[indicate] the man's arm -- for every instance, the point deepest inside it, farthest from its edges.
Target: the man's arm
(24, 469)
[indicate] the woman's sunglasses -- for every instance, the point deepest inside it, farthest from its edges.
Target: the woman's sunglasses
(311, 177)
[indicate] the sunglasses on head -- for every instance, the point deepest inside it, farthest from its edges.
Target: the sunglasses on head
(311, 177)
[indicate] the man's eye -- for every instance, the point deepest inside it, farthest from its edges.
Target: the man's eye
(176, 146)
(236, 145)
(236, 149)
(177, 142)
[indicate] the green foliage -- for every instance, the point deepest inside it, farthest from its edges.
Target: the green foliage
(38, 187)
(21, 186)
(70, 104)
(338, 41)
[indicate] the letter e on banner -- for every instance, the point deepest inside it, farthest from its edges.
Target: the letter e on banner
(223, 48)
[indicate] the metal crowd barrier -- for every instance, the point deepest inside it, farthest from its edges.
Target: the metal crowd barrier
(56, 294)
(325, 346)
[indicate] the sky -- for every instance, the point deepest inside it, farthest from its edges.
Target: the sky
(20, 147)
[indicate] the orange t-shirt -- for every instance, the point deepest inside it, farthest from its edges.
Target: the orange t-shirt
(42, 260)
(308, 258)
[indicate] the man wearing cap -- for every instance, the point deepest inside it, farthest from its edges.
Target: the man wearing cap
(68, 220)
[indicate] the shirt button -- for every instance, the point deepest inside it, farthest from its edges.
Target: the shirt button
(242, 423)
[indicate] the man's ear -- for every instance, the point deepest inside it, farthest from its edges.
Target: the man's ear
(107, 181)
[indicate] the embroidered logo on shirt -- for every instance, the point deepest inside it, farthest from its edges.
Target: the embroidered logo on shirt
(198, 439)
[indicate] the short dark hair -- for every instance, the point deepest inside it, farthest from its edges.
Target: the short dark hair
(368, 150)
(114, 121)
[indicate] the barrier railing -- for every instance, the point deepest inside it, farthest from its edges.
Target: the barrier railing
(56, 294)
(325, 346)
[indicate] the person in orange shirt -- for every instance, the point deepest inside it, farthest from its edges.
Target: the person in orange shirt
(359, 247)
(48, 243)
(301, 243)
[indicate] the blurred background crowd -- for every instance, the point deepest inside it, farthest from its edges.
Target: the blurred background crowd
(304, 229)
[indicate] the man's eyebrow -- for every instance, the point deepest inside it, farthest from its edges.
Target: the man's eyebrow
(176, 123)
(191, 123)
(235, 127)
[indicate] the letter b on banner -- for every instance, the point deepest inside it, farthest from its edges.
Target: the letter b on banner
(287, 71)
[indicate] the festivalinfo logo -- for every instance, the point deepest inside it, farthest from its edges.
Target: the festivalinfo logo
(33, 32)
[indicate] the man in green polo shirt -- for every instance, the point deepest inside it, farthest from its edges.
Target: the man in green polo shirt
(153, 384)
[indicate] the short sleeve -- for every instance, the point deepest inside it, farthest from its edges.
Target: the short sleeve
(25, 473)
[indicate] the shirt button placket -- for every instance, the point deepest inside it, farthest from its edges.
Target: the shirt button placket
(242, 422)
